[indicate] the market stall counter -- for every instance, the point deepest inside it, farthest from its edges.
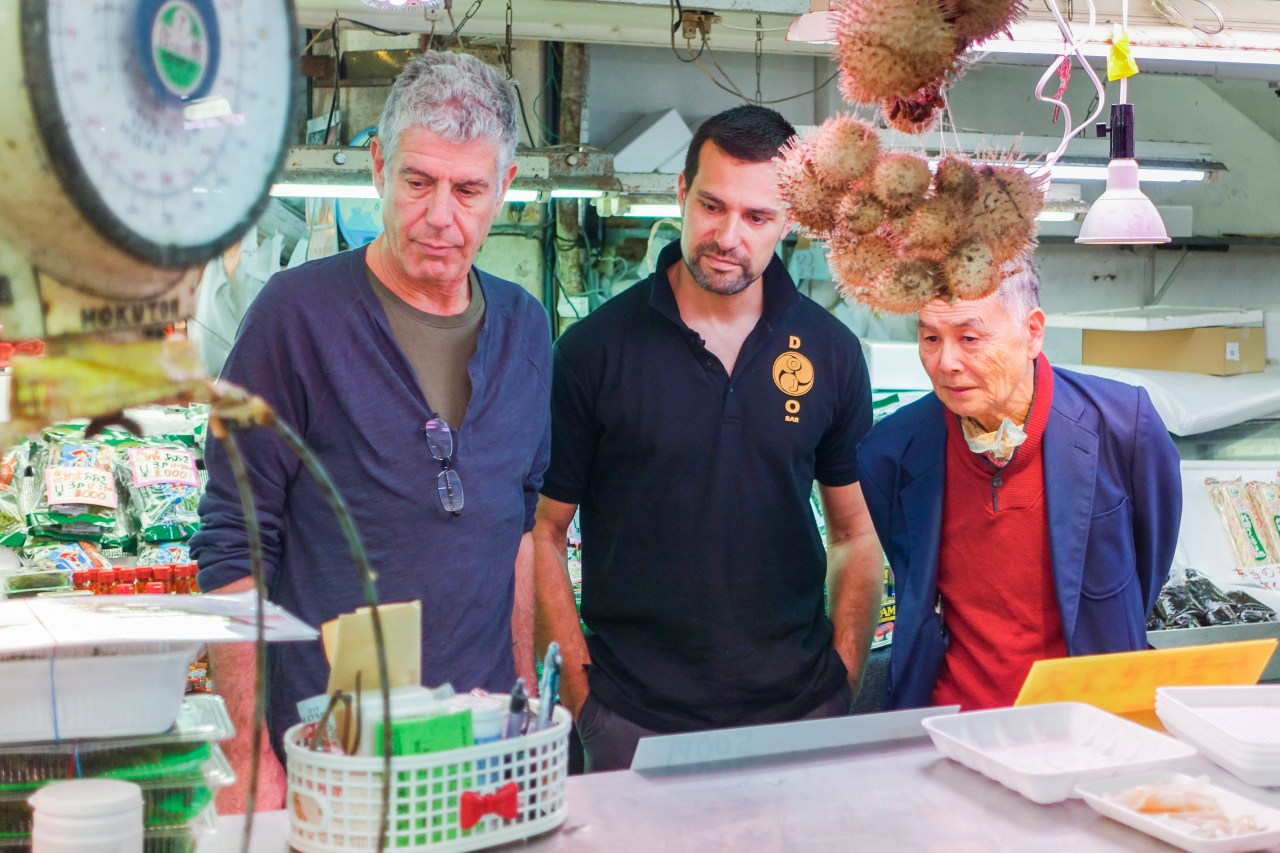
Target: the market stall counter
(893, 795)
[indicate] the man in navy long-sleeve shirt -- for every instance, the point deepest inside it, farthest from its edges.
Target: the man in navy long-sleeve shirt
(422, 384)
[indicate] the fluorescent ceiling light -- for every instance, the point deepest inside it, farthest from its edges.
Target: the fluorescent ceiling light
(1056, 216)
(1068, 172)
(654, 211)
(520, 196)
(293, 190)
(576, 193)
(1042, 38)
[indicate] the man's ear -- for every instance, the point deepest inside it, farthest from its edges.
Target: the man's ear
(682, 190)
(505, 183)
(1035, 332)
(378, 155)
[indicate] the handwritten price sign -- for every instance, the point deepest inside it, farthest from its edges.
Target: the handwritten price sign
(91, 486)
(154, 465)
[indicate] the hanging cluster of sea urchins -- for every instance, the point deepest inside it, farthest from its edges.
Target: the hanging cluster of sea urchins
(898, 235)
(899, 53)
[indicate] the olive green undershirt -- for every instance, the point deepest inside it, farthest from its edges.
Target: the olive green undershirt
(438, 347)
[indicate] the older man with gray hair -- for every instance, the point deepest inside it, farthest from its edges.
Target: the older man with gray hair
(423, 385)
(1028, 512)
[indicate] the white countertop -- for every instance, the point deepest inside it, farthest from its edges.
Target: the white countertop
(896, 797)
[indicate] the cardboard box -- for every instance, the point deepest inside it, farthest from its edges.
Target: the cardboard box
(1215, 350)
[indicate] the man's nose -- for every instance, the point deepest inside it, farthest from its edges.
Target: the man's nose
(729, 235)
(950, 357)
(440, 206)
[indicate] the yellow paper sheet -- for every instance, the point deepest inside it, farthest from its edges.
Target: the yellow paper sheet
(1125, 683)
(353, 649)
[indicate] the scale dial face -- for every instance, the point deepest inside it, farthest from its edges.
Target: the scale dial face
(166, 120)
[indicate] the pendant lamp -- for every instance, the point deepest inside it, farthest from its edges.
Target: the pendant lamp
(1122, 214)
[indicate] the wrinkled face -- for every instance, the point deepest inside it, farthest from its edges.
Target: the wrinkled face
(979, 357)
(733, 218)
(439, 199)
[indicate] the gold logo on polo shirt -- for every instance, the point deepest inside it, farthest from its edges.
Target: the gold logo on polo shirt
(793, 374)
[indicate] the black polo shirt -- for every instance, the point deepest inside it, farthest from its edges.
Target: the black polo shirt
(702, 567)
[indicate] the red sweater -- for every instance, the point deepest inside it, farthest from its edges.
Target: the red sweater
(994, 570)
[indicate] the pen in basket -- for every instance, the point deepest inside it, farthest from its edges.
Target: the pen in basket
(517, 713)
(549, 689)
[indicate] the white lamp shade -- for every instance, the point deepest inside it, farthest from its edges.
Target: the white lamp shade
(814, 27)
(1123, 214)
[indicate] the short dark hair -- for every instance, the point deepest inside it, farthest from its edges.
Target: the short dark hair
(747, 132)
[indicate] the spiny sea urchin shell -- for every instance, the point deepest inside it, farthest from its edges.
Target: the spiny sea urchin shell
(812, 204)
(956, 178)
(970, 271)
(936, 224)
(978, 20)
(856, 266)
(907, 288)
(843, 150)
(891, 48)
(916, 112)
(1005, 211)
(900, 179)
(858, 213)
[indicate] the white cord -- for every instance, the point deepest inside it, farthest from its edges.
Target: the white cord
(1072, 47)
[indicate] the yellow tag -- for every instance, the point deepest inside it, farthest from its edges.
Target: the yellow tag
(1120, 62)
(1125, 683)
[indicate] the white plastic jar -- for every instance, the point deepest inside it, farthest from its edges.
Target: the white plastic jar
(87, 816)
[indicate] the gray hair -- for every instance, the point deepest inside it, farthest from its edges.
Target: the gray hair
(1019, 292)
(455, 96)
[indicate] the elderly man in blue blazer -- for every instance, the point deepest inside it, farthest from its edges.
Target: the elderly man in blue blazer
(1028, 512)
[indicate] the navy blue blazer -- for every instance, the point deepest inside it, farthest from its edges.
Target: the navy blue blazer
(1114, 504)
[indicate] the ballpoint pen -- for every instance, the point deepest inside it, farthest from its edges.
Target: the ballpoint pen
(549, 689)
(517, 714)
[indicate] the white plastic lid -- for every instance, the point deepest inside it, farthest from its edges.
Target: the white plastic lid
(87, 798)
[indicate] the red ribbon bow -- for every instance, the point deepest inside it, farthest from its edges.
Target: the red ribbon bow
(503, 802)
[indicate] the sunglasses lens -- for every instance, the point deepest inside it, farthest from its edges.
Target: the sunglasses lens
(449, 486)
(439, 437)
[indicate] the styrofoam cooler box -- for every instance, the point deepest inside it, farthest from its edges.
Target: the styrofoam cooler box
(895, 366)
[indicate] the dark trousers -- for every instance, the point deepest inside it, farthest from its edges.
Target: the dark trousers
(609, 741)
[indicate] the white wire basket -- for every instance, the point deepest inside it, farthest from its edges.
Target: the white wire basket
(444, 802)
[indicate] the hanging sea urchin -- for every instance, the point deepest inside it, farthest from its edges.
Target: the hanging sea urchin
(935, 226)
(812, 204)
(858, 213)
(843, 150)
(978, 20)
(907, 288)
(1004, 214)
(970, 271)
(856, 266)
(900, 179)
(956, 179)
(891, 48)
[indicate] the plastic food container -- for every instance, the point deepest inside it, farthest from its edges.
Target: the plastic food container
(179, 839)
(1044, 751)
(33, 583)
(1098, 794)
(1238, 728)
(201, 719)
(96, 691)
(168, 802)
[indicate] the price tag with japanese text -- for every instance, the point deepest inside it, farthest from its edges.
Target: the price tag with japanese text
(91, 486)
(153, 465)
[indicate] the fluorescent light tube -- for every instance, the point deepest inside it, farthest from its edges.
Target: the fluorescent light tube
(291, 190)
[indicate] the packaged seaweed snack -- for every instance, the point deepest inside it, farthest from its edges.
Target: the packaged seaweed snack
(1243, 528)
(76, 489)
(1266, 505)
(13, 517)
(164, 554)
(49, 553)
(164, 490)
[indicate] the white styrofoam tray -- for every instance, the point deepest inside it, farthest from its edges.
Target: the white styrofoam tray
(1097, 793)
(93, 691)
(1262, 777)
(1246, 715)
(1154, 318)
(1044, 751)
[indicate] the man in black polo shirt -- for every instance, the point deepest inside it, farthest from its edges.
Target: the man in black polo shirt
(691, 416)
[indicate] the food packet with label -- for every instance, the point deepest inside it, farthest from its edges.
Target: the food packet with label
(1266, 505)
(75, 492)
(164, 489)
(1243, 528)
